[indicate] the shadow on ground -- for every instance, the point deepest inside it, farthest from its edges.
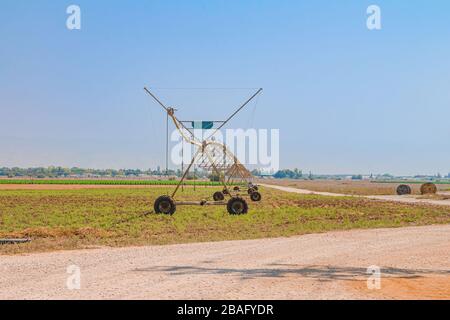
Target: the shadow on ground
(322, 273)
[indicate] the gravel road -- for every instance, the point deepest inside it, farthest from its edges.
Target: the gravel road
(414, 263)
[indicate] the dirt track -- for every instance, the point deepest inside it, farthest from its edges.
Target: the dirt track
(351, 187)
(395, 198)
(414, 261)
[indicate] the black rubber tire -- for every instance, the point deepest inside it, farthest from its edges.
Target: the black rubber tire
(255, 196)
(218, 196)
(237, 206)
(165, 205)
(403, 189)
(428, 188)
(250, 190)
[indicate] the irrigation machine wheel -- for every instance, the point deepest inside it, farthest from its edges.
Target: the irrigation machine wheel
(403, 189)
(428, 188)
(218, 196)
(165, 205)
(237, 206)
(255, 196)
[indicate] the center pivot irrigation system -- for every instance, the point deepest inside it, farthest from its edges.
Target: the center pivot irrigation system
(212, 156)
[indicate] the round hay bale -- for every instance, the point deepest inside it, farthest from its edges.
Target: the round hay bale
(428, 188)
(403, 189)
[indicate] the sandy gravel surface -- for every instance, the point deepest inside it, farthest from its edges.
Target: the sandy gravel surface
(414, 262)
(395, 198)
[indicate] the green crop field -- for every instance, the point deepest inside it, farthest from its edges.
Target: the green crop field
(105, 182)
(87, 218)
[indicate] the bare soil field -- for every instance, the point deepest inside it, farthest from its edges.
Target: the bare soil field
(350, 187)
(85, 218)
(303, 247)
(436, 287)
(441, 199)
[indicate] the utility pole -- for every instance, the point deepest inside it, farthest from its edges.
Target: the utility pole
(182, 161)
(167, 146)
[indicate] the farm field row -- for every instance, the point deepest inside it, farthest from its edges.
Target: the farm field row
(86, 218)
(106, 182)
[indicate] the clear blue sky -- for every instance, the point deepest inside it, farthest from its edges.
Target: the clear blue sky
(346, 99)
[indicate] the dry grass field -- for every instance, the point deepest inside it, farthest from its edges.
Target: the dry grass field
(87, 218)
(351, 187)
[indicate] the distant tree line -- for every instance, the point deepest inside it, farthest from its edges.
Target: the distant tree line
(289, 174)
(54, 172)
(62, 172)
